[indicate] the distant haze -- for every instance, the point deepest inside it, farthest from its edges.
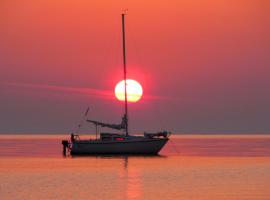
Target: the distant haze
(204, 65)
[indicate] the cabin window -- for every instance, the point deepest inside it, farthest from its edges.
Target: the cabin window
(119, 139)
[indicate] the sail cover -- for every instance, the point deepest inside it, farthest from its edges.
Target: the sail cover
(113, 126)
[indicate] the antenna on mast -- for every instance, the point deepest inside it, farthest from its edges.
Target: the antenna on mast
(125, 71)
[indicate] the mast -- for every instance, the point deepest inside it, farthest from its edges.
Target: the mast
(125, 73)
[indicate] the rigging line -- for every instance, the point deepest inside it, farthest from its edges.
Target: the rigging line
(82, 120)
(133, 41)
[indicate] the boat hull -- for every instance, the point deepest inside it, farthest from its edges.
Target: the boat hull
(142, 146)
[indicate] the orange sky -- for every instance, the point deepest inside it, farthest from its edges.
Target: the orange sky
(203, 65)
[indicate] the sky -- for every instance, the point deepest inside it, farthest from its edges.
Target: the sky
(204, 65)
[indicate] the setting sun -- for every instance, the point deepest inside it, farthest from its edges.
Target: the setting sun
(134, 91)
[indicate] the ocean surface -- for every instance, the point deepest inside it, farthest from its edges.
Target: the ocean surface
(189, 167)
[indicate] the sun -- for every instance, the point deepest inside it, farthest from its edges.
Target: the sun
(134, 90)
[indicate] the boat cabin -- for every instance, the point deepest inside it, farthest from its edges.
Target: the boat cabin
(111, 137)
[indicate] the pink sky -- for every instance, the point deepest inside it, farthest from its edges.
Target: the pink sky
(204, 65)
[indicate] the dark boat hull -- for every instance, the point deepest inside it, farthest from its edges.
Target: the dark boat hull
(138, 146)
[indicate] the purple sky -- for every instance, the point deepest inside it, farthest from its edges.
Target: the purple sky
(204, 65)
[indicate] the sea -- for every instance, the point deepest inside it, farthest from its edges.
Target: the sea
(196, 167)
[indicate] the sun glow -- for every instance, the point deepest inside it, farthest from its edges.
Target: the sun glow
(134, 91)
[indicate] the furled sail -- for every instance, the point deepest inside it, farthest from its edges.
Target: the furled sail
(113, 126)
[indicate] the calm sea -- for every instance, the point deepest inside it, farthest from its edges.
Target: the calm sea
(189, 167)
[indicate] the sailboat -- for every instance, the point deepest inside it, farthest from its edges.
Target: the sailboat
(114, 143)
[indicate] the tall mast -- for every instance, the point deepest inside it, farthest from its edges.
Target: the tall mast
(125, 72)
